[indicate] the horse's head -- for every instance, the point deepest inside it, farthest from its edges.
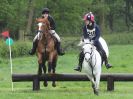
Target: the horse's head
(88, 51)
(43, 26)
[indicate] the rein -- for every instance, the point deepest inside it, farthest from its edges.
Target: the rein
(41, 31)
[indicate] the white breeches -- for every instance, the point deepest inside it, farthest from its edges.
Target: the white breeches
(51, 32)
(55, 35)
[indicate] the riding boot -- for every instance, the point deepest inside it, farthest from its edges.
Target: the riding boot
(106, 60)
(103, 54)
(33, 50)
(59, 49)
(81, 58)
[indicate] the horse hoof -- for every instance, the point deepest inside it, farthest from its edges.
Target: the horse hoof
(96, 92)
(53, 84)
(45, 84)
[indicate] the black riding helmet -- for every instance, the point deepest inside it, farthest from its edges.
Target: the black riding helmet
(45, 10)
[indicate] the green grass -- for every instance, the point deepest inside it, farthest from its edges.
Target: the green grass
(120, 57)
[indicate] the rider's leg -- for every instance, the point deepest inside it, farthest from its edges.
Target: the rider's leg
(100, 48)
(81, 58)
(35, 43)
(59, 49)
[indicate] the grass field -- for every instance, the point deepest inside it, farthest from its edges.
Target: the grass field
(120, 57)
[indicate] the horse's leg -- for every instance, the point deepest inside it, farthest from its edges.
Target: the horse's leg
(49, 67)
(53, 70)
(94, 85)
(40, 63)
(45, 82)
(54, 65)
(93, 82)
(40, 69)
(44, 69)
(97, 80)
(97, 83)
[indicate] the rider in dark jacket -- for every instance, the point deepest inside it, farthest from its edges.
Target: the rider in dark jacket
(45, 13)
(91, 31)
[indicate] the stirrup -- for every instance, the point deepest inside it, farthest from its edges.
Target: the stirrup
(31, 52)
(61, 52)
(108, 66)
(77, 69)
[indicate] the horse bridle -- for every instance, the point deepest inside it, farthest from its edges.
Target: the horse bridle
(90, 64)
(39, 31)
(89, 52)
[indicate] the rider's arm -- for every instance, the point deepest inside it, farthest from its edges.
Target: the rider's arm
(52, 22)
(85, 33)
(97, 33)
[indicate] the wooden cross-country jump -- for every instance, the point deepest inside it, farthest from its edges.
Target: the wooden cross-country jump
(110, 78)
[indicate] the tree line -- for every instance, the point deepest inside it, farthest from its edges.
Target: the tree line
(111, 15)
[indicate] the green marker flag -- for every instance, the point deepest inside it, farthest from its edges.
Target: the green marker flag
(9, 41)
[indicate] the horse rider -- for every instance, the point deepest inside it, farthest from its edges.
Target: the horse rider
(45, 13)
(91, 31)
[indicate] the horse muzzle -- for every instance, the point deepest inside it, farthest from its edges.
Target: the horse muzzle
(87, 57)
(39, 33)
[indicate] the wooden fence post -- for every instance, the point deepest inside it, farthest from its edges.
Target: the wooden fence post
(36, 83)
(110, 83)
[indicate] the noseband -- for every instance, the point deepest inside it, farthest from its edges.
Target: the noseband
(41, 31)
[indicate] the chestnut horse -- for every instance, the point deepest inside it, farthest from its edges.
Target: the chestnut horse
(46, 49)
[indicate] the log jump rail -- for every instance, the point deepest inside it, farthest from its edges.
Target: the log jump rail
(110, 78)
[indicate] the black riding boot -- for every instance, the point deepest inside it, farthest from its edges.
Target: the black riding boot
(104, 56)
(33, 50)
(81, 58)
(106, 60)
(59, 50)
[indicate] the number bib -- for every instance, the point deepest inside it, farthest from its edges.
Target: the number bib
(91, 33)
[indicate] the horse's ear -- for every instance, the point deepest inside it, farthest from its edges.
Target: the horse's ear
(39, 20)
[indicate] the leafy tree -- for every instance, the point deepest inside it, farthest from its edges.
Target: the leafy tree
(111, 15)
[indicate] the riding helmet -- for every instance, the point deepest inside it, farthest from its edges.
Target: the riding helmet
(45, 10)
(89, 16)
